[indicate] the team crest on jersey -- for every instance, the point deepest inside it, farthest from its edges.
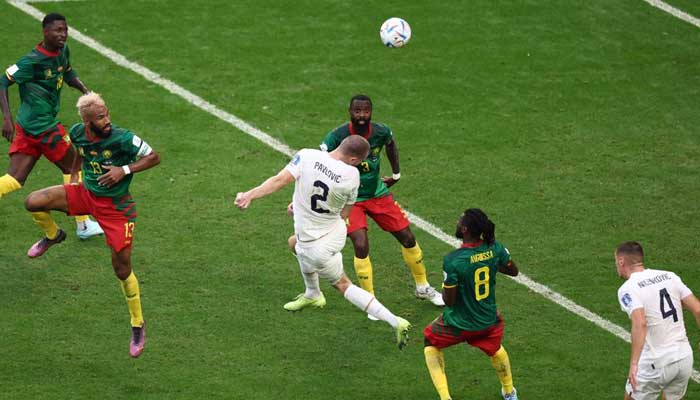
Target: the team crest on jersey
(81, 151)
(106, 154)
(48, 74)
(626, 299)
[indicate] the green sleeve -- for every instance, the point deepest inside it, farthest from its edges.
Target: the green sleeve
(451, 277)
(70, 72)
(503, 255)
(330, 142)
(128, 144)
(21, 72)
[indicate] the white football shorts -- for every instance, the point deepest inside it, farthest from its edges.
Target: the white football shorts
(672, 380)
(323, 256)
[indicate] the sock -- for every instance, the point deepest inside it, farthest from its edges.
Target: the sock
(130, 288)
(363, 271)
(46, 223)
(436, 366)
(501, 363)
(313, 291)
(366, 302)
(414, 260)
(8, 184)
(80, 220)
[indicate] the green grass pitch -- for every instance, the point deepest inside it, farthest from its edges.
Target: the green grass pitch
(572, 124)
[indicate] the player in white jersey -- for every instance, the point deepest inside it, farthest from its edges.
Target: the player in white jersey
(662, 358)
(324, 192)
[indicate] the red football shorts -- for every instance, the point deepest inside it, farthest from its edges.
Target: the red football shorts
(117, 217)
(440, 335)
(52, 143)
(383, 210)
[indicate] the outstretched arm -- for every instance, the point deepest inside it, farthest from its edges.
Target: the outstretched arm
(77, 84)
(392, 152)
(8, 127)
(271, 185)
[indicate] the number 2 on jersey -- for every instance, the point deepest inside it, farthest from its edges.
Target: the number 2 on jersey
(665, 300)
(319, 197)
(481, 283)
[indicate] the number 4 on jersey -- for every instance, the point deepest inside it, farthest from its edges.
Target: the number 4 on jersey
(665, 301)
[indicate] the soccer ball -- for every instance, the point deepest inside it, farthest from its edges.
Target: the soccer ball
(395, 32)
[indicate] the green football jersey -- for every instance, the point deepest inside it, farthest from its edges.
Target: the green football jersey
(120, 148)
(40, 75)
(472, 269)
(371, 185)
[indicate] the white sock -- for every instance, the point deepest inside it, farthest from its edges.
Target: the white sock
(364, 300)
(313, 291)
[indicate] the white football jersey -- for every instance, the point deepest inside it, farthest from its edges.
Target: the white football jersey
(660, 294)
(323, 187)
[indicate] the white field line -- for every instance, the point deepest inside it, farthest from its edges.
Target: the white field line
(284, 149)
(682, 15)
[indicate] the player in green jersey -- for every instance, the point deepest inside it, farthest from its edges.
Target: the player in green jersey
(375, 200)
(108, 156)
(40, 75)
(469, 292)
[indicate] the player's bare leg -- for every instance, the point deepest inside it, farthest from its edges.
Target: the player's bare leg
(312, 296)
(20, 167)
(86, 228)
(366, 302)
(413, 257)
(121, 262)
(39, 203)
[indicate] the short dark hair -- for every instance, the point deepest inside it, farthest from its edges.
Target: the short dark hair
(631, 248)
(479, 225)
(355, 146)
(360, 97)
(50, 18)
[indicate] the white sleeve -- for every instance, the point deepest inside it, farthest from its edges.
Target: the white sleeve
(143, 149)
(628, 300)
(294, 166)
(682, 288)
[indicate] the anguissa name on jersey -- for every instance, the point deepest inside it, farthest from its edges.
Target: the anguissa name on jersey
(327, 172)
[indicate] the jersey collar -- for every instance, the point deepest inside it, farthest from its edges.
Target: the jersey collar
(472, 245)
(352, 130)
(46, 52)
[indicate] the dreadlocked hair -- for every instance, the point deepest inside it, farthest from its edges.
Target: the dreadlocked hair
(479, 225)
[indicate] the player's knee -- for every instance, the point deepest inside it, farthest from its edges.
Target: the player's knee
(34, 202)
(406, 238)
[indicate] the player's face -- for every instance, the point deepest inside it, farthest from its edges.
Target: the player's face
(99, 121)
(55, 34)
(360, 113)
